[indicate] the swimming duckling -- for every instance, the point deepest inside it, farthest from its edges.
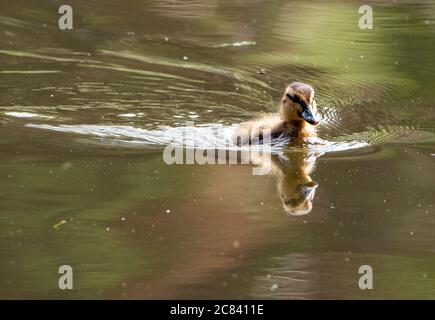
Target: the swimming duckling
(297, 117)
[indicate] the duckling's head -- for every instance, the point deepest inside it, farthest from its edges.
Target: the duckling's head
(299, 104)
(297, 199)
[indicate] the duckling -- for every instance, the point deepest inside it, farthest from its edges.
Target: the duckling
(297, 117)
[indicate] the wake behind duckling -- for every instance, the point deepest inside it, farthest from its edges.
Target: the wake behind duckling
(205, 136)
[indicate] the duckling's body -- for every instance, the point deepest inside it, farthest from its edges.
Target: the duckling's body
(296, 118)
(279, 127)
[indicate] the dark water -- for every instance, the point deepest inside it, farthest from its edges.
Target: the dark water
(81, 184)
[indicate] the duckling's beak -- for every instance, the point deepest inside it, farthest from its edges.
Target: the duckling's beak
(308, 189)
(309, 117)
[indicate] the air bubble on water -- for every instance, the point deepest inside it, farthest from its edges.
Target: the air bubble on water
(236, 244)
(274, 287)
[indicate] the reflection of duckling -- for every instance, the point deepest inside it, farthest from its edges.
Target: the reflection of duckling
(294, 184)
(297, 116)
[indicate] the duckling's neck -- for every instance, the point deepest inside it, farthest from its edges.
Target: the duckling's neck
(299, 128)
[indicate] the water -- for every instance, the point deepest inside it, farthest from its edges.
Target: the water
(85, 113)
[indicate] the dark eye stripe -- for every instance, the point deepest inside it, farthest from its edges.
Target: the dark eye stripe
(296, 99)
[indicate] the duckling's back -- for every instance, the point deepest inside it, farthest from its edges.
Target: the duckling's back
(251, 131)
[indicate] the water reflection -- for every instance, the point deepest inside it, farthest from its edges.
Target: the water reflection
(294, 184)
